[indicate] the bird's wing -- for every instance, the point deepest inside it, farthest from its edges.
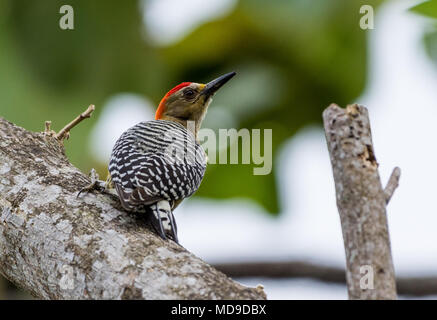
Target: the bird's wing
(154, 163)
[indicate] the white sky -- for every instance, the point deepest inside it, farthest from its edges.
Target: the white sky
(167, 21)
(402, 99)
(121, 112)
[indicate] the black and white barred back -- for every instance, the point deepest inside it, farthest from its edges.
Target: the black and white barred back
(156, 160)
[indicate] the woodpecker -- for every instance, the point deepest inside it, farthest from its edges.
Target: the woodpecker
(156, 164)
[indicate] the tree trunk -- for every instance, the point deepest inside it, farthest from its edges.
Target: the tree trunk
(58, 246)
(361, 202)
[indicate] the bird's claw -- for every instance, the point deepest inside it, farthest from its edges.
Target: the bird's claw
(95, 185)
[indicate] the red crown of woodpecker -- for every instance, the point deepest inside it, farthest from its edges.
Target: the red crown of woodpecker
(161, 106)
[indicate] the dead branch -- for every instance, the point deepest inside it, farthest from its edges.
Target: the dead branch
(361, 202)
(392, 184)
(65, 132)
(408, 286)
(58, 246)
(282, 269)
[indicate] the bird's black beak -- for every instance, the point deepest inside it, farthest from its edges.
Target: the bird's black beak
(212, 86)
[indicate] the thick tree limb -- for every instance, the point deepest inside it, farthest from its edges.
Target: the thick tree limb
(57, 246)
(407, 286)
(361, 202)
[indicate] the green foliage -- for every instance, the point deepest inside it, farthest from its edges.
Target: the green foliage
(293, 58)
(427, 8)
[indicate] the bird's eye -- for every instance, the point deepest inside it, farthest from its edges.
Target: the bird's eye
(189, 93)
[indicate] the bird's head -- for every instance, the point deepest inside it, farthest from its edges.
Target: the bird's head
(189, 101)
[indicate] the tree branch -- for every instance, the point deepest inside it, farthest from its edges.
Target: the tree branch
(361, 203)
(392, 184)
(408, 286)
(59, 247)
(65, 132)
(282, 269)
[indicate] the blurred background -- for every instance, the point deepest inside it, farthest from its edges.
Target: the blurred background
(293, 58)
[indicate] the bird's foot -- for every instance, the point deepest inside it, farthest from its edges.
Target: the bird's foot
(95, 185)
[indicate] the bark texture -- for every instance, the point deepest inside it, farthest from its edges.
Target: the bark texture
(361, 202)
(58, 246)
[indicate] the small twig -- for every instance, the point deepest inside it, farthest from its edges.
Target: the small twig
(65, 132)
(48, 129)
(392, 184)
(48, 125)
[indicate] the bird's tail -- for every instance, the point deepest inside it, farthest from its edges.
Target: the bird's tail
(163, 220)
